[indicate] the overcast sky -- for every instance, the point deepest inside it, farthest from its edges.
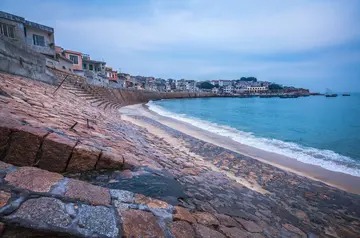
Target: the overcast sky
(306, 43)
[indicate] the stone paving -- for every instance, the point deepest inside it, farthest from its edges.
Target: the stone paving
(291, 205)
(87, 173)
(52, 204)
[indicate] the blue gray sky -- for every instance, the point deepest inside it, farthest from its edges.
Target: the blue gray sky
(306, 43)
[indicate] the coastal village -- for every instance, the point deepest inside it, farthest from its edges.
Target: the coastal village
(76, 161)
(41, 39)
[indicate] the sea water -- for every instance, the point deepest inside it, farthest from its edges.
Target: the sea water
(315, 130)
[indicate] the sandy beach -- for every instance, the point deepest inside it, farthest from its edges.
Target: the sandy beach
(339, 180)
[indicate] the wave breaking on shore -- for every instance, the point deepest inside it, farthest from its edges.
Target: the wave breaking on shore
(327, 159)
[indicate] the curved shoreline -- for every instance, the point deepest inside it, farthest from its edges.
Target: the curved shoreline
(339, 180)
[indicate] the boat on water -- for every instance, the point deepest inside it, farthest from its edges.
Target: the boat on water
(330, 94)
(346, 94)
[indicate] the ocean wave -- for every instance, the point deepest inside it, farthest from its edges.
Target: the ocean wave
(327, 159)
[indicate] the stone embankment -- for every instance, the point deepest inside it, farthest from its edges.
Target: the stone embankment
(73, 168)
(115, 98)
(56, 129)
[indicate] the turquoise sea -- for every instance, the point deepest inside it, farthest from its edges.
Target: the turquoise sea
(315, 130)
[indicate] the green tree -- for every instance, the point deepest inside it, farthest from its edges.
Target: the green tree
(275, 86)
(248, 79)
(206, 85)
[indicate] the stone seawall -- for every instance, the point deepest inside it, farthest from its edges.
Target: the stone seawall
(57, 127)
(121, 97)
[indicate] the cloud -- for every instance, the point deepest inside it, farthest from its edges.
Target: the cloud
(291, 29)
(295, 42)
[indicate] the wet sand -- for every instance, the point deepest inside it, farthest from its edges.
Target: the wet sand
(339, 180)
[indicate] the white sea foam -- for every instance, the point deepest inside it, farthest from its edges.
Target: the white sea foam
(325, 158)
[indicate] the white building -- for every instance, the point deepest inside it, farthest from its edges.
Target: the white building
(228, 89)
(215, 90)
(223, 83)
(256, 89)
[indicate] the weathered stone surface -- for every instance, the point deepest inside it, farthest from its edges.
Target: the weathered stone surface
(150, 202)
(20, 232)
(4, 139)
(226, 220)
(206, 232)
(83, 158)
(122, 195)
(294, 229)
(2, 228)
(24, 146)
(33, 179)
(206, 218)
(182, 229)
(138, 223)
(249, 225)
(42, 212)
(126, 174)
(181, 213)
(130, 161)
(4, 166)
(302, 215)
(97, 221)
(83, 191)
(234, 232)
(110, 160)
(4, 198)
(56, 151)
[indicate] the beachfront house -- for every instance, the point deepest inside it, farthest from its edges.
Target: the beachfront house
(32, 35)
(111, 74)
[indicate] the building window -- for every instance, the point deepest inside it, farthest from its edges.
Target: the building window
(91, 67)
(7, 30)
(74, 59)
(84, 66)
(39, 40)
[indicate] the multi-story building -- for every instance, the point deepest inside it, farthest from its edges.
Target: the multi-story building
(111, 74)
(181, 85)
(93, 65)
(215, 90)
(190, 85)
(260, 89)
(214, 82)
(32, 35)
(76, 59)
(228, 89)
(224, 83)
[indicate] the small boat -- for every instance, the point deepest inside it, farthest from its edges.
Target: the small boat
(346, 94)
(330, 94)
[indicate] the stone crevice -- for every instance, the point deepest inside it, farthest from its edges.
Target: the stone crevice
(71, 155)
(5, 147)
(98, 159)
(39, 152)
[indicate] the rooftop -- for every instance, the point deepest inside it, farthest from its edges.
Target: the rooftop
(12, 17)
